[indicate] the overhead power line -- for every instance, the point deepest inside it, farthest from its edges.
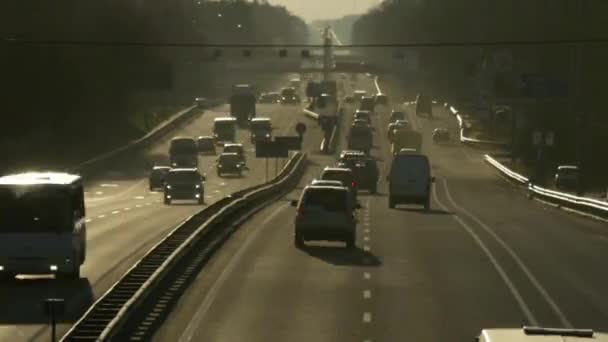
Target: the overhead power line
(107, 43)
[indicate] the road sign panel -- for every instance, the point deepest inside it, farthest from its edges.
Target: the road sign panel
(534, 85)
(271, 149)
(292, 143)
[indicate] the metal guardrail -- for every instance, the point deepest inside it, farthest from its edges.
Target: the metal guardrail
(121, 311)
(92, 165)
(583, 204)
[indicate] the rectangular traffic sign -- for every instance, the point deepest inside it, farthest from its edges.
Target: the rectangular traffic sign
(271, 149)
(534, 85)
(292, 143)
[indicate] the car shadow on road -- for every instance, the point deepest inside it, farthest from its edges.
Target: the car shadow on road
(426, 212)
(342, 256)
(22, 300)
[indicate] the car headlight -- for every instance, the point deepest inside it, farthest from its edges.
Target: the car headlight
(197, 186)
(220, 166)
(253, 135)
(168, 186)
(238, 166)
(267, 135)
(283, 98)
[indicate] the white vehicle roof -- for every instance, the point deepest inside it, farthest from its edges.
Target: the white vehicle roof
(260, 119)
(233, 145)
(181, 138)
(360, 92)
(567, 167)
(39, 178)
(340, 169)
(184, 169)
(324, 187)
(531, 334)
(161, 167)
(408, 151)
(225, 118)
(205, 137)
(323, 182)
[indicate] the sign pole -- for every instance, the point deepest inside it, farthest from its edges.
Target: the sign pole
(276, 167)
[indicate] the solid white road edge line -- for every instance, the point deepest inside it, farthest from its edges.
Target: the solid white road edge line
(560, 314)
(203, 308)
(518, 298)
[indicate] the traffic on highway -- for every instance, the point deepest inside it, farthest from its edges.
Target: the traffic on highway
(230, 171)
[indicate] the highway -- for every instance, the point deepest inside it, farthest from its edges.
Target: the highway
(125, 219)
(484, 256)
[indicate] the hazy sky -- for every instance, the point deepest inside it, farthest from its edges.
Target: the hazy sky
(325, 9)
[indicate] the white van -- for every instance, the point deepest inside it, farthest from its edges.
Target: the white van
(410, 180)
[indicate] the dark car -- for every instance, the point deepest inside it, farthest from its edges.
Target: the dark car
(363, 114)
(270, 98)
(289, 96)
(441, 135)
(157, 177)
(424, 105)
(201, 102)
(360, 138)
(184, 184)
(397, 115)
(206, 145)
(365, 171)
(368, 103)
(230, 163)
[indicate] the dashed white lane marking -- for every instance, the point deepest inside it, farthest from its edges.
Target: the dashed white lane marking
(366, 238)
(505, 278)
(366, 248)
(223, 184)
(148, 203)
(208, 196)
(206, 304)
(367, 275)
(367, 294)
(101, 216)
(88, 220)
(99, 193)
(109, 185)
(366, 231)
(139, 197)
(367, 317)
(217, 191)
(115, 212)
(138, 206)
(560, 314)
(127, 209)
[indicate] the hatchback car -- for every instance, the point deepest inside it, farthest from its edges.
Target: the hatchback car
(363, 115)
(325, 213)
(397, 115)
(344, 175)
(229, 163)
(206, 145)
(235, 148)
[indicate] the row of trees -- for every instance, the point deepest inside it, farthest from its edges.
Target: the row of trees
(458, 71)
(78, 98)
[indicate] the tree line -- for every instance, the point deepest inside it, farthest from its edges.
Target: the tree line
(76, 97)
(451, 73)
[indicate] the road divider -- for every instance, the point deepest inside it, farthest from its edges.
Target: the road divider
(583, 205)
(466, 140)
(92, 166)
(143, 293)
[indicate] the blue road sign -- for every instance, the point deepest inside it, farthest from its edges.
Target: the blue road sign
(535, 85)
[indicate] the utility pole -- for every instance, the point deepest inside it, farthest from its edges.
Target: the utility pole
(327, 57)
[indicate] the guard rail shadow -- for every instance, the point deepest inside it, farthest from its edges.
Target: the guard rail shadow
(153, 285)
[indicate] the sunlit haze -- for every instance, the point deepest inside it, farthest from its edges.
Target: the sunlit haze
(325, 9)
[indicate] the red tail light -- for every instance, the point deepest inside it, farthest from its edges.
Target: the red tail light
(354, 184)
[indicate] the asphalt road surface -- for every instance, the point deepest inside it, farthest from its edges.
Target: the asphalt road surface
(125, 219)
(484, 256)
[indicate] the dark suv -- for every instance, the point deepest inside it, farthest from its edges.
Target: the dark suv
(184, 184)
(365, 171)
(230, 162)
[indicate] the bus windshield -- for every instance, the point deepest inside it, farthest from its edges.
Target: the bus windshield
(34, 209)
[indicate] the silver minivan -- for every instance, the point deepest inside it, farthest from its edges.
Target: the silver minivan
(410, 180)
